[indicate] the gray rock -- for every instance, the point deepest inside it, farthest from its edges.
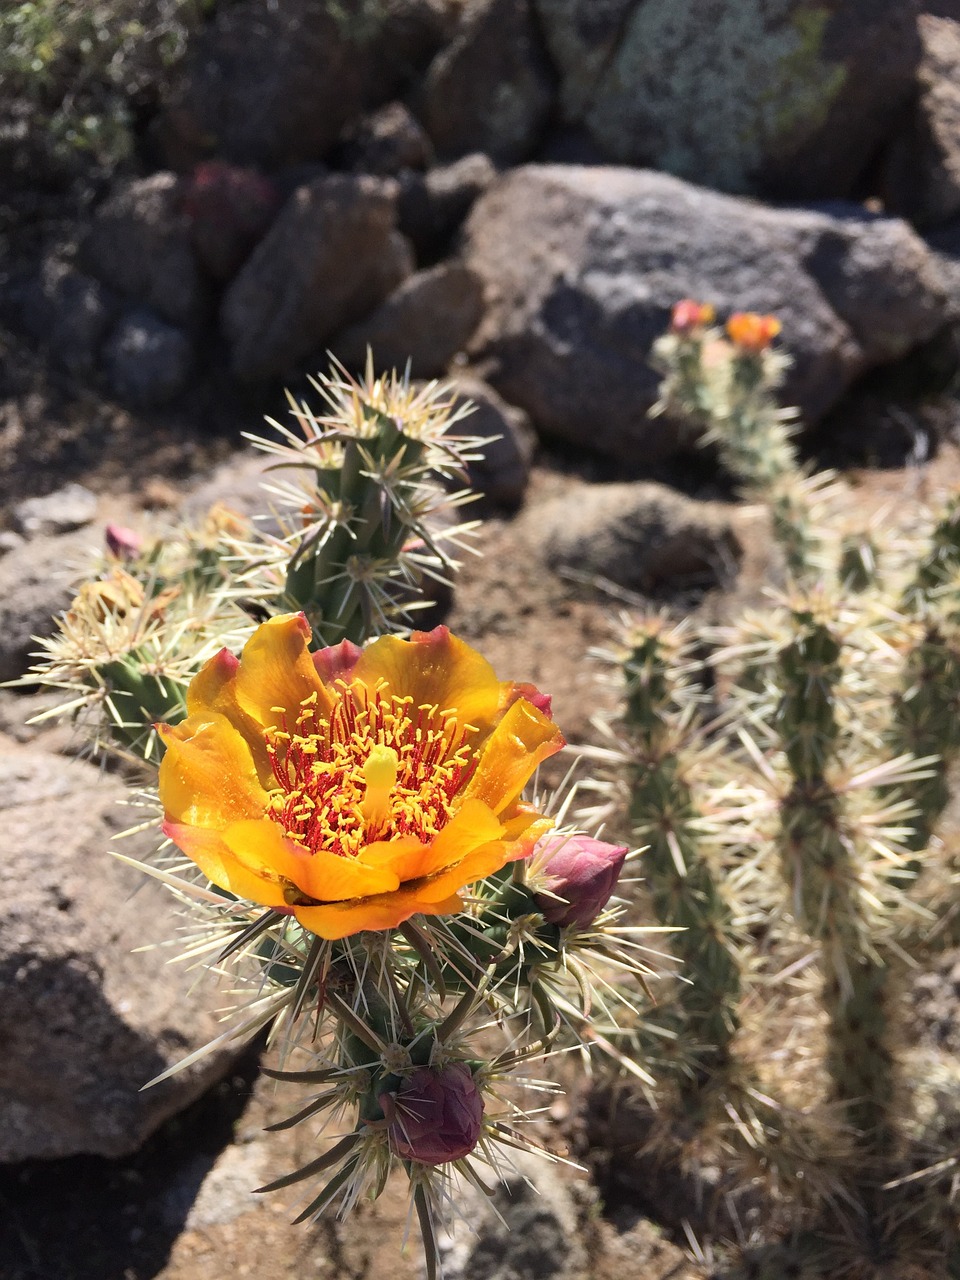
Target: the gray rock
(425, 322)
(36, 582)
(581, 266)
(69, 313)
(922, 168)
(386, 141)
(431, 206)
(532, 1228)
(84, 1021)
(68, 508)
(274, 84)
(774, 97)
(330, 257)
(642, 536)
(491, 88)
(140, 245)
(147, 361)
(503, 470)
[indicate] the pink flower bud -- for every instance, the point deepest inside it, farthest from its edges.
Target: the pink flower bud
(581, 874)
(122, 542)
(436, 1115)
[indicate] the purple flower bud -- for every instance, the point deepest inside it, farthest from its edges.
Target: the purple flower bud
(581, 874)
(122, 542)
(436, 1115)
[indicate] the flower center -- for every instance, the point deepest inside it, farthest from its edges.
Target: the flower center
(378, 768)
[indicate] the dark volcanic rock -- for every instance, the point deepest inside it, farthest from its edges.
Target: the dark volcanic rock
(147, 361)
(582, 265)
(274, 84)
(329, 258)
(431, 206)
(774, 97)
(426, 322)
(491, 89)
(140, 245)
(922, 169)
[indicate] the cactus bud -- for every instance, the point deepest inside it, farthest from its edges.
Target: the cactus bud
(436, 1115)
(124, 543)
(581, 874)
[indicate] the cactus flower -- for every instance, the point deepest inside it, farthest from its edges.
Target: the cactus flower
(687, 316)
(436, 1115)
(355, 788)
(752, 332)
(580, 874)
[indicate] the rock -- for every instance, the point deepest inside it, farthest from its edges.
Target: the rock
(387, 141)
(68, 508)
(425, 322)
(270, 85)
(147, 361)
(36, 582)
(69, 313)
(140, 244)
(775, 97)
(531, 1228)
(503, 470)
(582, 265)
(642, 536)
(921, 177)
(329, 258)
(229, 209)
(432, 206)
(85, 1022)
(490, 89)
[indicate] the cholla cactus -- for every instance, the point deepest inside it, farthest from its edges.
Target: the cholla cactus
(344, 805)
(792, 805)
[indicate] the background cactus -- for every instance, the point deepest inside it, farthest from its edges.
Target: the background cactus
(790, 810)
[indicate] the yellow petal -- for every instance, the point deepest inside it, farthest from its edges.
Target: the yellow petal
(208, 850)
(471, 826)
(341, 919)
(207, 775)
(522, 739)
(481, 862)
(276, 670)
(262, 848)
(435, 669)
(214, 688)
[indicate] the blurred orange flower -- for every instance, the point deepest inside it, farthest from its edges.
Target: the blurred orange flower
(752, 332)
(353, 787)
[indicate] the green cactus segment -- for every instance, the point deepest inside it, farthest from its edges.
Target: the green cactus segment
(731, 398)
(820, 864)
(684, 890)
(939, 566)
(927, 722)
(136, 700)
(858, 570)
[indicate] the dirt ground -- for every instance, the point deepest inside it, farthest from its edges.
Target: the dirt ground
(181, 1208)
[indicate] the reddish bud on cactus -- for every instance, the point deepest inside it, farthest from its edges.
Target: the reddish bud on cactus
(122, 542)
(688, 316)
(752, 332)
(581, 874)
(229, 209)
(436, 1115)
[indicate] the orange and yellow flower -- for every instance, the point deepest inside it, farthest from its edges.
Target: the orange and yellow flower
(752, 332)
(354, 787)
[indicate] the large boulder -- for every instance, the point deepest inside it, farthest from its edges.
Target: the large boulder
(491, 89)
(777, 97)
(88, 1016)
(274, 84)
(330, 257)
(581, 266)
(922, 168)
